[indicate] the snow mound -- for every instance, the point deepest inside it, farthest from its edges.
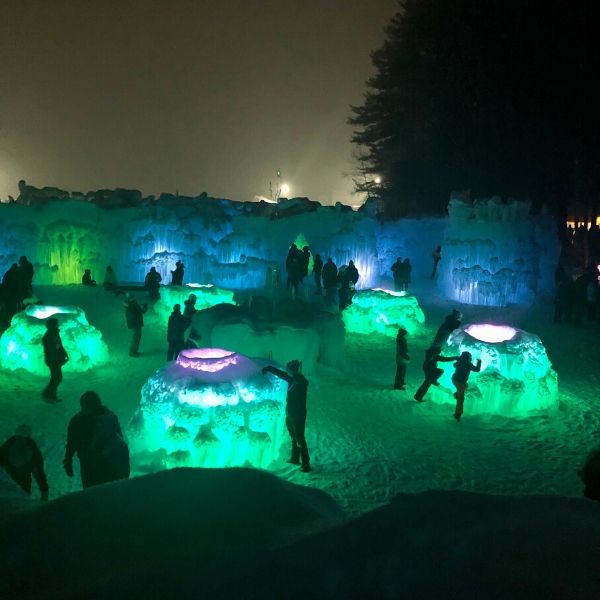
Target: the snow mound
(516, 376)
(83, 543)
(211, 408)
(21, 344)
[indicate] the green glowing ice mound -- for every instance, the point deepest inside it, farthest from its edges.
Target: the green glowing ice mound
(212, 408)
(21, 344)
(207, 295)
(516, 375)
(383, 311)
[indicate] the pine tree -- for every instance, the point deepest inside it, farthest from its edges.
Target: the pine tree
(495, 96)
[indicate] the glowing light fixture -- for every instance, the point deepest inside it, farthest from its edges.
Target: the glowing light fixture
(212, 408)
(492, 334)
(285, 190)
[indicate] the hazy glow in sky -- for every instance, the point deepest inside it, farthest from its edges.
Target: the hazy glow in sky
(187, 95)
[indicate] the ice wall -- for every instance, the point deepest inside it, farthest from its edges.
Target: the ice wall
(492, 253)
(495, 253)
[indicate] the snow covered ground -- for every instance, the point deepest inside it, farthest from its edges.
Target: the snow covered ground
(368, 442)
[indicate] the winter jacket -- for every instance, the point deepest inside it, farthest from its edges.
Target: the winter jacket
(463, 369)
(23, 461)
(402, 356)
(54, 352)
(176, 327)
(134, 313)
(295, 407)
(329, 276)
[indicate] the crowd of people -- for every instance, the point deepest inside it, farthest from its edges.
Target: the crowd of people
(94, 434)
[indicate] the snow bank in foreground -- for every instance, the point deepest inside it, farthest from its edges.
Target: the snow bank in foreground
(246, 534)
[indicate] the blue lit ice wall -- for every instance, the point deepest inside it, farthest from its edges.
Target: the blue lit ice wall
(486, 259)
(495, 254)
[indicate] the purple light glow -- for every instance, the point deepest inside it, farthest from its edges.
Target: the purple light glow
(209, 360)
(491, 334)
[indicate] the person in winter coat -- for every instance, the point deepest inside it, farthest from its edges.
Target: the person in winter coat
(451, 322)
(21, 458)
(87, 278)
(462, 370)
(317, 270)
(590, 475)
(110, 280)
(304, 262)
(397, 273)
(176, 332)
(295, 411)
(189, 306)
(134, 315)
(55, 357)
(402, 359)
(26, 275)
(431, 371)
(352, 273)
(94, 434)
(330, 276)
(152, 282)
(436, 255)
(177, 274)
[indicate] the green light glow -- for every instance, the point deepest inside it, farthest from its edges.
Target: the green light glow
(207, 295)
(21, 344)
(231, 416)
(516, 375)
(383, 311)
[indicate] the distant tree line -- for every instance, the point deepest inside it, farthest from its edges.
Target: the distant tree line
(491, 96)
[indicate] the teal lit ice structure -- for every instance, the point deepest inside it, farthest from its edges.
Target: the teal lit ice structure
(516, 376)
(212, 408)
(383, 311)
(21, 344)
(207, 295)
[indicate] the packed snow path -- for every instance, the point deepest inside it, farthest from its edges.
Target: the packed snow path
(367, 441)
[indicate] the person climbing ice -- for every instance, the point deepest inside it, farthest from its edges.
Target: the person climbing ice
(295, 411)
(431, 371)
(451, 322)
(462, 369)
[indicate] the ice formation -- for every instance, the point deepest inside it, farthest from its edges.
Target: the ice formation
(492, 253)
(21, 344)
(495, 254)
(207, 295)
(516, 376)
(383, 311)
(212, 408)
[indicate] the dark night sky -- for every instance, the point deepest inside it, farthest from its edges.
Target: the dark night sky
(204, 95)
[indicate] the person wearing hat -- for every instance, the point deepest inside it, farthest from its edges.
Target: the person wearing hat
(95, 435)
(295, 411)
(21, 458)
(402, 359)
(176, 327)
(134, 315)
(55, 357)
(462, 369)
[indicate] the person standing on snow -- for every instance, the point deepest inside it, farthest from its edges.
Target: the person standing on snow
(295, 411)
(462, 370)
(134, 314)
(55, 357)
(21, 458)
(152, 282)
(317, 270)
(176, 332)
(94, 434)
(177, 273)
(402, 359)
(330, 277)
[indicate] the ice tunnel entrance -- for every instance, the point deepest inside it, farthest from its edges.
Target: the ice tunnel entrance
(21, 344)
(212, 407)
(516, 376)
